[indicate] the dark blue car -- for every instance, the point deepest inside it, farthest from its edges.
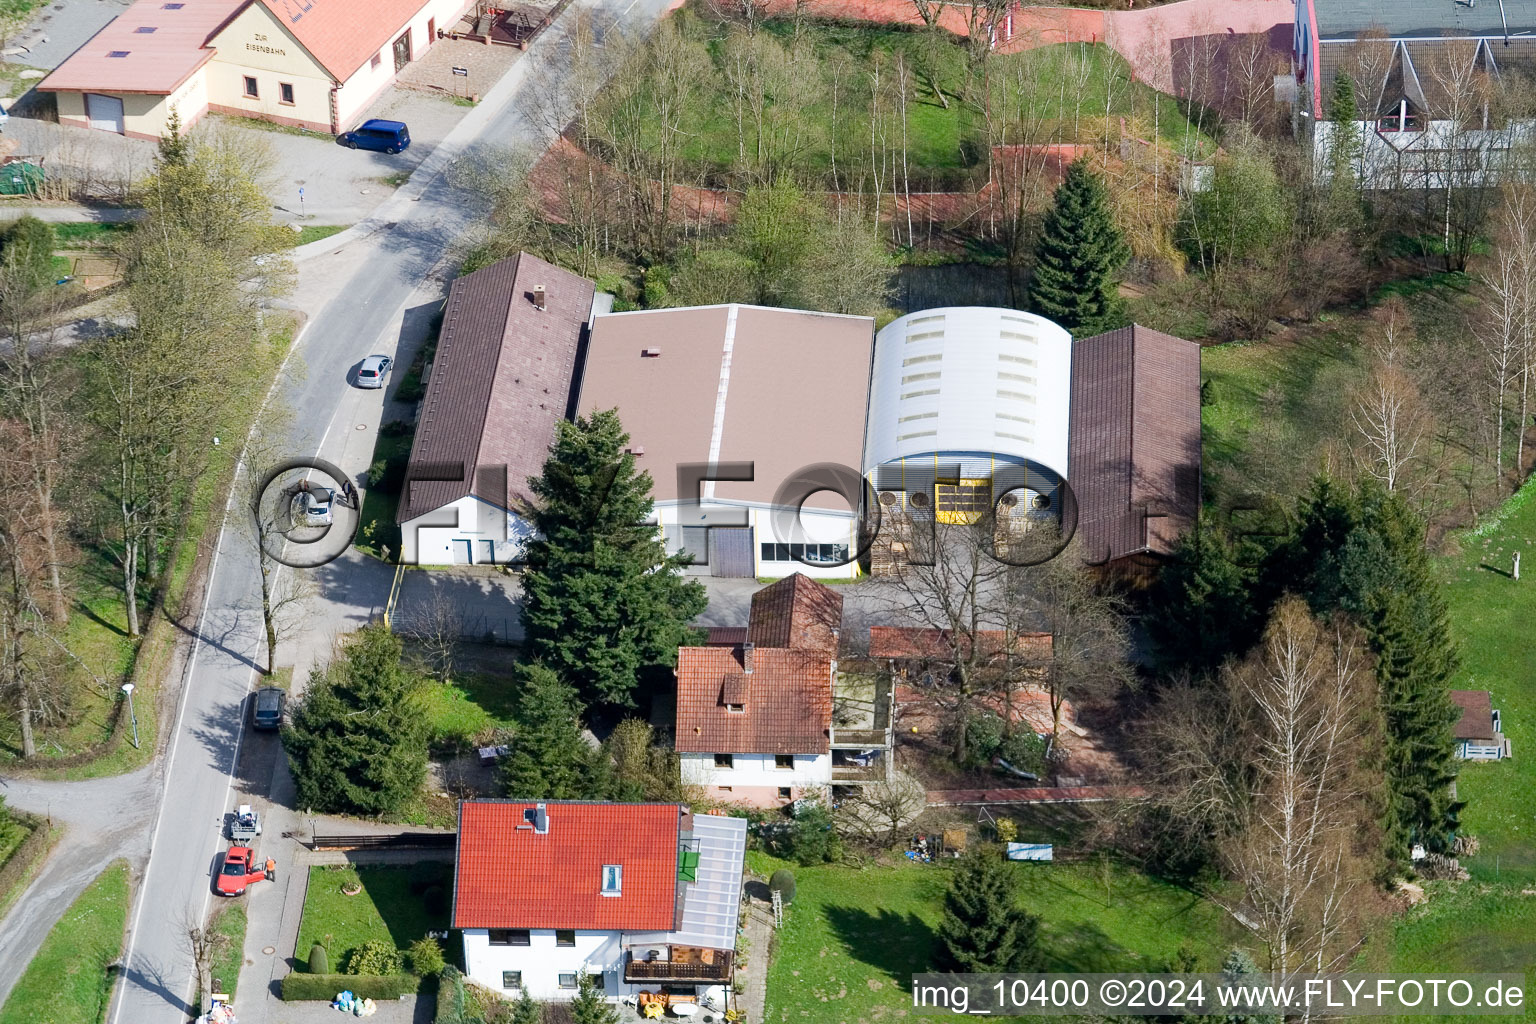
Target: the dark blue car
(384, 136)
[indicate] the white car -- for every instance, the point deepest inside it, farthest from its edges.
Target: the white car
(374, 372)
(313, 507)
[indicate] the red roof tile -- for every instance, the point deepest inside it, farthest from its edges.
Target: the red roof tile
(512, 877)
(915, 643)
(798, 613)
(726, 636)
(787, 701)
(155, 62)
(341, 34)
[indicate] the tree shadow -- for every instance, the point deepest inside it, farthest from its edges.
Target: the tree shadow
(1084, 947)
(895, 944)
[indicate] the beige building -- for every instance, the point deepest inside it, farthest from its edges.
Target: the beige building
(315, 64)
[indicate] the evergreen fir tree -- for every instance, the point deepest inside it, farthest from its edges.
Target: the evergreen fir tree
(549, 758)
(1201, 610)
(1239, 969)
(525, 1011)
(357, 741)
(602, 601)
(1077, 257)
(1344, 151)
(589, 1006)
(984, 929)
(173, 147)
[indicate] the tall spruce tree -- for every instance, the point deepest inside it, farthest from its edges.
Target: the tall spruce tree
(1077, 257)
(603, 603)
(1201, 611)
(357, 741)
(984, 929)
(549, 759)
(1364, 554)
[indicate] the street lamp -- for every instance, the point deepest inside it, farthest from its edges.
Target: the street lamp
(128, 690)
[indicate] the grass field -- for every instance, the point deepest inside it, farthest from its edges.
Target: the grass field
(68, 981)
(314, 232)
(88, 234)
(1490, 616)
(386, 908)
(230, 924)
(467, 710)
(1076, 89)
(853, 936)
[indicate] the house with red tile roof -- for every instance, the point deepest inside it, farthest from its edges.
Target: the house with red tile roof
(315, 64)
(755, 717)
(634, 896)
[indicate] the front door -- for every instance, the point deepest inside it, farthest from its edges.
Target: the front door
(104, 112)
(403, 50)
(463, 554)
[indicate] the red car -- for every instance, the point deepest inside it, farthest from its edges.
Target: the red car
(239, 870)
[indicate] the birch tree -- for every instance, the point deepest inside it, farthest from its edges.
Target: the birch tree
(1389, 415)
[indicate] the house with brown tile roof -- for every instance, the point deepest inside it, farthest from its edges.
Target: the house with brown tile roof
(1479, 731)
(1134, 445)
(755, 722)
(315, 64)
(776, 390)
(635, 895)
(501, 383)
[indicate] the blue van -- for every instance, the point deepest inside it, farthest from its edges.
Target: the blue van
(384, 136)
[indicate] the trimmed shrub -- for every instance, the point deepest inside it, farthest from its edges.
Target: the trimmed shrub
(783, 883)
(298, 986)
(426, 957)
(374, 957)
(450, 998)
(319, 960)
(395, 428)
(28, 246)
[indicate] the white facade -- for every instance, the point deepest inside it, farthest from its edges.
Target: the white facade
(778, 535)
(757, 771)
(970, 379)
(540, 964)
(1431, 155)
(470, 531)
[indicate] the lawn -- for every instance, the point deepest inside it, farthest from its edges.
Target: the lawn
(229, 923)
(68, 982)
(88, 234)
(1490, 614)
(854, 936)
(314, 232)
(468, 710)
(1074, 89)
(392, 907)
(381, 498)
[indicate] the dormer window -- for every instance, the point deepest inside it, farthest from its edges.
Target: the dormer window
(1406, 118)
(613, 879)
(736, 709)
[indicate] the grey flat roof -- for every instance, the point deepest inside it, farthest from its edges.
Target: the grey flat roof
(1424, 18)
(712, 902)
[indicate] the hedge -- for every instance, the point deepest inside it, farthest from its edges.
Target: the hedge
(451, 1007)
(299, 986)
(26, 852)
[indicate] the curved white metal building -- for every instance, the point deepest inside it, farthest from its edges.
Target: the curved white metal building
(972, 387)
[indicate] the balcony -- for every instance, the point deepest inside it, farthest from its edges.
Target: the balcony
(688, 964)
(861, 712)
(854, 774)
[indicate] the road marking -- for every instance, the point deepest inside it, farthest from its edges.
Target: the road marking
(121, 991)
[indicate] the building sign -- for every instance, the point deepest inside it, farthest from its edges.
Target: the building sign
(260, 47)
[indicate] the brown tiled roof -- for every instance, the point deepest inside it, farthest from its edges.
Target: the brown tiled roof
(507, 875)
(1134, 441)
(342, 35)
(913, 643)
(788, 698)
(500, 384)
(1476, 722)
(792, 393)
(725, 636)
(799, 613)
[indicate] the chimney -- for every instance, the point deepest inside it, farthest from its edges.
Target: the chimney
(746, 657)
(536, 817)
(540, 296)
(650, 353)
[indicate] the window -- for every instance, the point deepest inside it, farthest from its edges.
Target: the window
(285, 93)
(567, 981)
(565, 937)
(725, 789)
(596, 978)
(783, 792)
(172, 7)
(144, 30)
(783, 760)
(914, 360)
(736, 709)
(613, 879)
(376, 61)
(509, 936)
(511, 979)
(118, 53)
(250, 87)
(724, 761)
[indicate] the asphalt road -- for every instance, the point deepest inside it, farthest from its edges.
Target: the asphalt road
(359, 294)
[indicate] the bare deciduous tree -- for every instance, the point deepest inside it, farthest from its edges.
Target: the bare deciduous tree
(882, 811)
(436, 625)
(1388, 412)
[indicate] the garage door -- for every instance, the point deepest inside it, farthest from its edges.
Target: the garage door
(730, 552)
(104, 112)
